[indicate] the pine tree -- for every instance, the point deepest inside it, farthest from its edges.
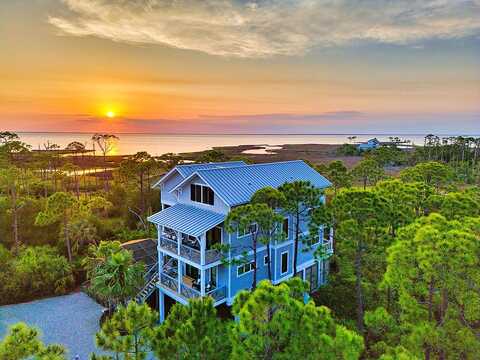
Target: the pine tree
(192, 332)
(275, 323)
(128, 332)
(22, 342)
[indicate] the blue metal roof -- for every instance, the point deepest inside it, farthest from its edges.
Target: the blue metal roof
(236, 185)
(188, 169)
(187, 219)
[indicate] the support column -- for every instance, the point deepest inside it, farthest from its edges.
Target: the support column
(180, 275)
(203, 245)
(179, 241)
(202, 281)
(161, 305)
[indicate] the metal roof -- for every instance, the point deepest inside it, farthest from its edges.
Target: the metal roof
(236, 185)
(185, 170)
(187, 219)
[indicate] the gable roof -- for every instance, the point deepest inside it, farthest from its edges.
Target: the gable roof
(236, 185)
(185, 170)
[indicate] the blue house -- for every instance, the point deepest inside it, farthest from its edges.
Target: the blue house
(196, 199)
(369, 145)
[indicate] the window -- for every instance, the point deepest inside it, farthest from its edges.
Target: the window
(252, 229)
(284, 262)
(203, 194)
(245, 268)
(207, 194)
(214, 236)
(265, 260)
(191, 271)
(285, 227)
(311, 275)
(213, 277)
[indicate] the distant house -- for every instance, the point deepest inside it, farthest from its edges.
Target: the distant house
(369, 145)
(196, 199)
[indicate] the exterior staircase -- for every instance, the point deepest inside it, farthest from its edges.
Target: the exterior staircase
(151, 280)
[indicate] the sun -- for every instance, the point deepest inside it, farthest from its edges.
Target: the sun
(110, 114)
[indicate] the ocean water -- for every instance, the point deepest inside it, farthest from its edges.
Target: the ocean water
(157, 144)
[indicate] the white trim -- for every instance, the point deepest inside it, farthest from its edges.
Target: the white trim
(281, 262)
(164, 177)
(282, 244)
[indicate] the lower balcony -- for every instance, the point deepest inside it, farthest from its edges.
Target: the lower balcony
(190, 289)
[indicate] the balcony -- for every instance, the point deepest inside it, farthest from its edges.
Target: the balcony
(188, 252)
(188, 292)
(328, 246)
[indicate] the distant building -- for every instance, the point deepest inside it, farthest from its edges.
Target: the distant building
(196, 199)
(369, 145)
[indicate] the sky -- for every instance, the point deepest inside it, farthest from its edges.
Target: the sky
(234, 66)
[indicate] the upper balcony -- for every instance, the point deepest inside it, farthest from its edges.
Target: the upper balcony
(188, 247)
(189, 232)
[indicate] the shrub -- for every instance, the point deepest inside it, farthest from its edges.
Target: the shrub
(36, 272)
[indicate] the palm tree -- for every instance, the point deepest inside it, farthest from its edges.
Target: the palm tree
(113, 273)
(118, 279)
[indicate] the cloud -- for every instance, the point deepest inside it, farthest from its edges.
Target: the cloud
(265, 28)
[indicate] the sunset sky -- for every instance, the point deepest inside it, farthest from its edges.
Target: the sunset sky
(233, 66)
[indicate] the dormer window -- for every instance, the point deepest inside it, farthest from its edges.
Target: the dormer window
(202, 194)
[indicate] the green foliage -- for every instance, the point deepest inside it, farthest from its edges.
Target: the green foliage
(337, 173)
(192, 332)
(399, 203)
(388, 156)
(361, 242)
(275, 323)
(258, 219)
(430, 173)
(456, 205)
(213, 156)
(434, 269)
(22, 343)
(348, 150)
(368, 171)
(35, 272)
(128, 332)
(113, 273)
(301, 197)
(65, 208)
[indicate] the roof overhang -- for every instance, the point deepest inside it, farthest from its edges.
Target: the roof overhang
(187, 219)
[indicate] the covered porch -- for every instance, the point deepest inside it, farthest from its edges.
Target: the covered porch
(190, 233)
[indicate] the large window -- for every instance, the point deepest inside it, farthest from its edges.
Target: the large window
(214, 236)
(284, 262)
(245, 268)
(203, 194)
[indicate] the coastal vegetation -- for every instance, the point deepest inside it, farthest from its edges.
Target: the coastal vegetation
(404, 276)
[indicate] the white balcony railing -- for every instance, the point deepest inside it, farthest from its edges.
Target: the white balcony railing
(188, 252)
